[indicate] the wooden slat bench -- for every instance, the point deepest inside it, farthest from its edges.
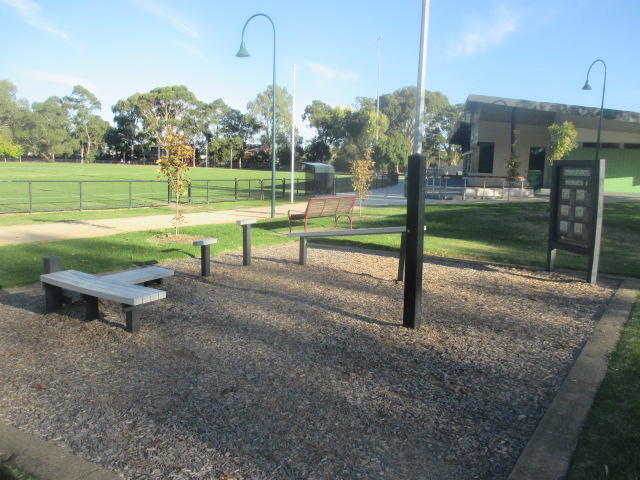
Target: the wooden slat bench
(359, 231)
(325, 207)
(118, 287)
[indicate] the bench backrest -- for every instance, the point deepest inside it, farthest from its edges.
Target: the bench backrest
(327, 206)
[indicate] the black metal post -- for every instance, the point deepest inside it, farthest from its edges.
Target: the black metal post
(416, 171)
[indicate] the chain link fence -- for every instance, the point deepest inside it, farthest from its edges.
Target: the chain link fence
(29, 196)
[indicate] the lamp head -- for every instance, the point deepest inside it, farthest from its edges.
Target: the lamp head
(242, 53)
(586, 85)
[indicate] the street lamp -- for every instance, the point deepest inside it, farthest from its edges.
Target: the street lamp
(378, 92)
(588, 87)
(242, 53)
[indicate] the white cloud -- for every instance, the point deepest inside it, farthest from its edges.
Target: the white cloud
(190, 49)
(170, 15)
(484, 33)
(31, 13)
(331, 74)
(61, 79)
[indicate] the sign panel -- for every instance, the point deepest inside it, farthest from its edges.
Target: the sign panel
(576, 210)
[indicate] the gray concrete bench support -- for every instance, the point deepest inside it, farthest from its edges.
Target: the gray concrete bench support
(111, 287)
(349, 233)
(246, 239)
(205, 254)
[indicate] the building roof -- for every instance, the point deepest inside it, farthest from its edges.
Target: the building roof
(529, 112)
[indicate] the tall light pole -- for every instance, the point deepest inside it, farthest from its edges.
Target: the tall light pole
(242, 53)
(588, 87)
(422, 76)
(378, 91)
(293, 131)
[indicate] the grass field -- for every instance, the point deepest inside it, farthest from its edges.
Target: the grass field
(39, 187)
(99, 171)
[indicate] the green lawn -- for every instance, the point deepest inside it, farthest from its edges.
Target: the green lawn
(513, 233)
(100, 171)
(609, 446)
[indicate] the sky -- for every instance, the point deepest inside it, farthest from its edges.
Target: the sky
(533, 50)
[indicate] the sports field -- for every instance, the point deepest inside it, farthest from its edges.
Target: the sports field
(34, 187)
(99, 171)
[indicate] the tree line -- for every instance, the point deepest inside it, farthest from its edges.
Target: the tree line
(71, 126)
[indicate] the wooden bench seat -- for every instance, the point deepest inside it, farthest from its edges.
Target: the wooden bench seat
(325, 207)
(117, 287)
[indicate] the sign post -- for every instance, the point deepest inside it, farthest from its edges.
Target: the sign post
(575, 224)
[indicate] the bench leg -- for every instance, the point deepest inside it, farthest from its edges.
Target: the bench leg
(133, 318)
(303, 251)
(53, 298)
(92, 311)
(403, 257)
(205, 260)
(246, 245)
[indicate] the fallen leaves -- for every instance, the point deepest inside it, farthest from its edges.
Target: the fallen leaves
(39, 386)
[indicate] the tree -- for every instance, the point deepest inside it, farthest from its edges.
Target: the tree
(262, 109)
(513, 164)
(88, 127)
(7, 147)
(392, 152)
(362, 171)
(562, 140)
(174, 165)
(46, 129)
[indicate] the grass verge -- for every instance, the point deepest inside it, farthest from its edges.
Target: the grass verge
(511, 233)
(609, 446)
(10, 472)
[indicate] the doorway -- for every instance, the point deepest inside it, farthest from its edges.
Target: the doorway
(485, 164)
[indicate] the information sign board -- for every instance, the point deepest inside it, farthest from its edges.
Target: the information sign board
(576, 211)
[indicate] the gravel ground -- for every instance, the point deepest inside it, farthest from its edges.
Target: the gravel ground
(278, 371)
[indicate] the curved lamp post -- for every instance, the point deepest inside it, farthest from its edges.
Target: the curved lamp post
(243, 53)
(588, 87)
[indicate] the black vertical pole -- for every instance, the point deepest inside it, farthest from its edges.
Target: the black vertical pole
(412, 316)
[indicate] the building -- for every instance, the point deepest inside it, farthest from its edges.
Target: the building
(489, 126)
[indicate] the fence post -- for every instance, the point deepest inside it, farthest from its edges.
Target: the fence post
(284, 187)
(261, 190)
(168, 193)
(207, 192)
(130, 195)
(236, 189)
(80, 184)
(30, 198)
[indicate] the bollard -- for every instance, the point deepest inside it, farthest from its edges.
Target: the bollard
(205, 254)
(51, 264)
(246, 239)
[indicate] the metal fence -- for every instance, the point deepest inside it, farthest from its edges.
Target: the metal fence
(29, 196)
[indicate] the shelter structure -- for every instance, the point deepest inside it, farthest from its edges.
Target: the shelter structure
(490, 126)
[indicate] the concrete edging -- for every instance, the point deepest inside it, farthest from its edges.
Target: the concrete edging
(45, 460)
(548, 453)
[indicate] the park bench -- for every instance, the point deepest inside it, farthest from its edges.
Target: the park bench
(118, 287)
(325, 207)
(359, 231)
